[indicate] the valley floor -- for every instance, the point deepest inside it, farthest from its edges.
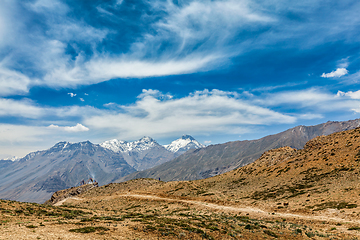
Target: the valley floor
(127, 215)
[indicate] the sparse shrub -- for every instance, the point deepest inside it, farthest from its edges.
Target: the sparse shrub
(88, 229)
(270, 233)
(354, 228)
(31, 226)
(310, 234)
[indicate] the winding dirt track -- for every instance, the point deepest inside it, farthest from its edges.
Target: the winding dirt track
(253, 211)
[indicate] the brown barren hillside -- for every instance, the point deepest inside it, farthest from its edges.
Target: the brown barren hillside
(311, 193)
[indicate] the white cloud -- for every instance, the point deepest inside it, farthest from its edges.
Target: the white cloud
(200, 112)
(154, 93)
(72, 94)
(81, 99)
(78, 128)
(337, 73)
(350, 94)
(207, 142)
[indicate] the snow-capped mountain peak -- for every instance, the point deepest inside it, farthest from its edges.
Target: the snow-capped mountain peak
(142, 144)
(183, 144)
(115, 145)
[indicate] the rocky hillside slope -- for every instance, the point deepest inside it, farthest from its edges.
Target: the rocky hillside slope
(61, 195)
(217, 159)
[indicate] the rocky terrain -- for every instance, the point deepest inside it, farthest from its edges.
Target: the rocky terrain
(58, 197)
(221, 158)
(312, 193)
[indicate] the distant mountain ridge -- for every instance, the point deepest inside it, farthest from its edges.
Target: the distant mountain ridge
(221, 158)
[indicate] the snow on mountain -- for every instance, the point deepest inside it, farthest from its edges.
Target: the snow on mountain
(13, 158)
(183, 144)
(142, 144)
(115, 145)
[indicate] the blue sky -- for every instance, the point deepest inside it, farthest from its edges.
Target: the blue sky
(217, 70)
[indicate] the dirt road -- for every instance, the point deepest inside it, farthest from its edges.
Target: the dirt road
(241, 209)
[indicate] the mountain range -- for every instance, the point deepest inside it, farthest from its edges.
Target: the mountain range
(39, 174)
(216, 159)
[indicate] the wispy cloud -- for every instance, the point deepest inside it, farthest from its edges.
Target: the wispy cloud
(196, 33)
(13, 82)
(28, 109)
(23, 108)
(103, 68)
